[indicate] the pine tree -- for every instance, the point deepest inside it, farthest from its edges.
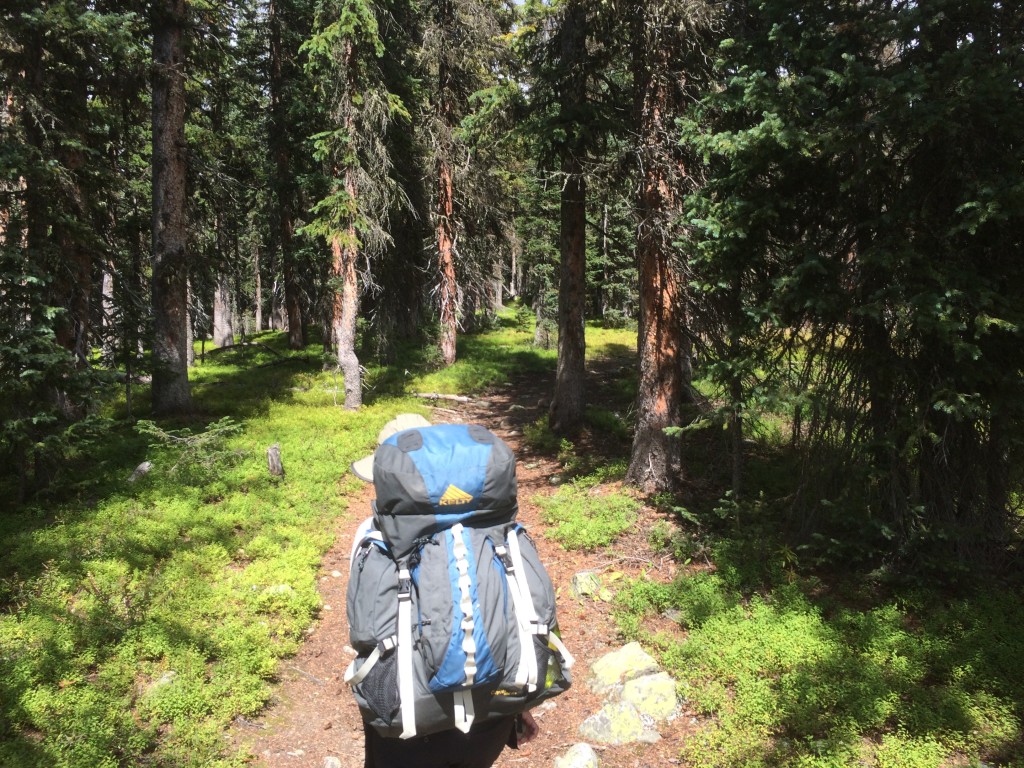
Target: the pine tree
(460, 42)
(859, 213)
(666, 50)
(344, 53)
(171, 392)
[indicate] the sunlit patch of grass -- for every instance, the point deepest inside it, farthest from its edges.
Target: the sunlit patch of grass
(610, 342)
(139, 618)
(783, 682)
(586, 515)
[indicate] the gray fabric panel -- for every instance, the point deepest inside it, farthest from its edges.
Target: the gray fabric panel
(403, 511)
(500, 490)
(372, 599)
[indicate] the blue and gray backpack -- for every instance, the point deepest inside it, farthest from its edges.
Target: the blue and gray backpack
(451, 613)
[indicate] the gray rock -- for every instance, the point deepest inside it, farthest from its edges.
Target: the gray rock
(332, 762)
(585, 584)
(617, 667)
(652, 695)
(616, 723)
(579, 756)
(140, 471)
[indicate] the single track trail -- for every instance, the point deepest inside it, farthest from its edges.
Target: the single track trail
(313, 716)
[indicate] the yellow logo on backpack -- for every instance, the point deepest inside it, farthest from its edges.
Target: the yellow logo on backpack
(454, 495)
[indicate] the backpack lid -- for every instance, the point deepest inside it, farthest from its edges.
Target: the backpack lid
(430, 478)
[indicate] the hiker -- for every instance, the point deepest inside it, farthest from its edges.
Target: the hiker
(487, 646)
(452, 748)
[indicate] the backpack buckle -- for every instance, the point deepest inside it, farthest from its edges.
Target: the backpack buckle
(404, 585)
(506, 559)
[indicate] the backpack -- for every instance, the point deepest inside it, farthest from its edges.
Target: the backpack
(450, 610)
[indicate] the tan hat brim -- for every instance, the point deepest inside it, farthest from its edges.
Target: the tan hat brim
(363, 469)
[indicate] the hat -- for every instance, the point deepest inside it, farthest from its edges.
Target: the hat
(363, 469)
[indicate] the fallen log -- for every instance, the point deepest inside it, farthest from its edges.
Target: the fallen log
(438, 396)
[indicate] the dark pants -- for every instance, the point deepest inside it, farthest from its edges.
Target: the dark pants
(449, 749)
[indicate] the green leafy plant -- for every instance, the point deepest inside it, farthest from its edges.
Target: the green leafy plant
(539, 436)
(587, 516)
(191, 451)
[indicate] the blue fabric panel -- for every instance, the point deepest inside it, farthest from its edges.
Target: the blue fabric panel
(487, 670)
(447, 521)
(449, 456)
(451, 671)
(451, 674)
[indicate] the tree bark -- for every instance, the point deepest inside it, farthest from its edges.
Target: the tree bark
(171, 392)
(566, 415)
(448, 293)
(567, 403)
(258, 279)
(108, 308)
(346, 308)
(656, 461)
(223, 328)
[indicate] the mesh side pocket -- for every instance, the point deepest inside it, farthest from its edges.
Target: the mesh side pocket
(544, 655)
(551, 677)
(380, 688)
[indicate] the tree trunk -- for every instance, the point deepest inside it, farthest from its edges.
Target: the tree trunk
(346, 308)
(171, 392)
(284, 186)
(223, 328)
(448, 289)
(107, 312)
(567, 403)
(541, 330)
(258, 298)
(656, 461)
(190, 336)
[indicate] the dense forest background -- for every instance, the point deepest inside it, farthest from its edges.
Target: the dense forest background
(816, 211)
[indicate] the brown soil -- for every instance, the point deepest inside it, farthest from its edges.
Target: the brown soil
(313, 715)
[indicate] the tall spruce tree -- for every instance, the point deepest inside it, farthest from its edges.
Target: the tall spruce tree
(61, 70)
(459, 48)
(667, 52)
(290, 24)
(344, 53)
(171, 393)
(860, 215)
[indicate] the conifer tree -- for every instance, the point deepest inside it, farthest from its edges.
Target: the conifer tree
(460, 38)
(170, 262)
(666, 51)
(859, 213)
(344, 53)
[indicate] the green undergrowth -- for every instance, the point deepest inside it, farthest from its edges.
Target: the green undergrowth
(587, 513)
(139, 618)
(484, 360)
(792, 676)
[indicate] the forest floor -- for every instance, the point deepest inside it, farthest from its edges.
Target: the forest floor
(313, 715)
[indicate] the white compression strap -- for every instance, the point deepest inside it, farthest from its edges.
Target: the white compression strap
(354, 677)
(526, 614)
(567, 658)
(525, 636)
(464, 712)
(406, 683)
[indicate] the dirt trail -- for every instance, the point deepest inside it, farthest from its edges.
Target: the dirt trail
(313, 716)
